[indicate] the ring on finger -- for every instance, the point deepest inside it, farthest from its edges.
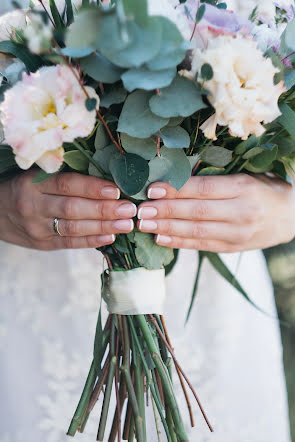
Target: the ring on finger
(55, 227)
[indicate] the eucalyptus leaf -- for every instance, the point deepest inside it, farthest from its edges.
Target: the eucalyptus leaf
(248, 144)
(76, 52)
(115, 94)
(145, 147)
(130, 172)
(84, 31)
(76, 160)
(137, 10)
(149, 254)
(101, 138)
(175, 137)
(287, 119)
(181, 99)
(144, 44)
(101, 69)
(143, 78)
(169, 60)
(112, 36)
(252, 152)
(290, 35)
(136, 118)
(175, 121)
(104, 156)
(217, 156)
(172, 166)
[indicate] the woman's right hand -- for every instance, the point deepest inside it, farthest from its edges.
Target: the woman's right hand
(87, 208)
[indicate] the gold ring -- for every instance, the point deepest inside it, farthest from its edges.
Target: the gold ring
(55, 227)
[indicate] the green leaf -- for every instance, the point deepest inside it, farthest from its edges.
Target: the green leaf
(175, 137)
(84, 31)
(172, 166)
(169, 60)
(136, 118)
(211, 171)
(181, 99)
(114, 94)
(200, 13)
(76, 160)
(144, 44)
(222, 269)
(104, 156)
(130, 172)
(207, 72)
(136, 10)
(290, 35)
(217, 156)
(69, 12)
(202, 256)
(55, 15)
(248, 144)
(143, 78)
(31, 61)
(74, 52)
(98, 340)
(101, 138)
(42, 176)
(112, 36)
(149, 254)
(285, 145)
(145, 147)
(90, 104)
(287, 119)
(252, 152)
(101, 69)
(265, 159)
(175, 121)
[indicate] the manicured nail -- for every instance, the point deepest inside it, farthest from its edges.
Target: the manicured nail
(124, 225)
(156, 192)
(107, 239)
(127, 209)
(110, 192)
(147, 225)
(164, 240)
(147, 212)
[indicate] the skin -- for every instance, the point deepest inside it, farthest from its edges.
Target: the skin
(218, 214)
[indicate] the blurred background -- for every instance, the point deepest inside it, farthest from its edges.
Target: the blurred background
(281, 263)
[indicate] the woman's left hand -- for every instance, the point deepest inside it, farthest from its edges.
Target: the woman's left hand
(220, 213)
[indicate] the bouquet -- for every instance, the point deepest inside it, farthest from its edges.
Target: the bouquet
(137, 92)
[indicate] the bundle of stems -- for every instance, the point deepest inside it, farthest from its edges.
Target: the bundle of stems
(133, 355)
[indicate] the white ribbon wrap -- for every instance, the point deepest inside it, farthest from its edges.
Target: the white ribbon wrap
(135, 292)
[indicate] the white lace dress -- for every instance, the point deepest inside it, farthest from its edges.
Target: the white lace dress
(230, 351)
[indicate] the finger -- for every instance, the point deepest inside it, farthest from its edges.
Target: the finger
(196, 230)
(85, 209)
(221, 210)
(90, 227)
(197, 244)
(201, 187)
(69, 242)
(75, 184)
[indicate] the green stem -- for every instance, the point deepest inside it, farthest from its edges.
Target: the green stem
(230, 167)
(149, 377)
(166, 381)
(156, 420)
(83, 403)
(106, 401)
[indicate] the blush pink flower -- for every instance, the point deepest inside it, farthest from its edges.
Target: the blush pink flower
(43, 111)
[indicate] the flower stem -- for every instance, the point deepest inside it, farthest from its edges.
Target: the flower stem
(89, 157)
(106, 401)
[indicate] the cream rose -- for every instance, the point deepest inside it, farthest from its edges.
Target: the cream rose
(43, 111)
(242, 90)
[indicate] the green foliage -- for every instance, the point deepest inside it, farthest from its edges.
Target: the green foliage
(143, 78)
(145, 147)
(181, 99)
(56, 15)
(101, 69)
(217, 156)
(101, 138)
(90, 104)
(149, 254)
(130, 172)
(287, 119)
(7, 160)
(175, 137)
(76, 160)
(31, 61)
(137, 10)
(84, 31)
(172, 166)
(113, 95)
(290, 35)
(42, 176)
(265, 158)
(207, 72)
(136, 118)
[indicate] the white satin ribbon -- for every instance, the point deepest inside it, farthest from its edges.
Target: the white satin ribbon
(135, 292)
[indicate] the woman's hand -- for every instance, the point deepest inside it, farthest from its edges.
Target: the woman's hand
(87, 209)
(221, 213)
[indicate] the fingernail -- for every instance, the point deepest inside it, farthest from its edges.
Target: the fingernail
(147, 225)
(127, 209)
(124, 225)
(110, 192)
(156, 192)
(162, 239)
(107, 239)
(147, 212)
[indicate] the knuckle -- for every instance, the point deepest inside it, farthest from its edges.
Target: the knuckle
(102, 228)
(168, 210)
(200, 210)
(69, 208)
(92, 241)
(62, 184)
(202, 244)
(69, 242)
(71, 228)
(22, 205)
(169, 229)
(205, 187)
(198, 231)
